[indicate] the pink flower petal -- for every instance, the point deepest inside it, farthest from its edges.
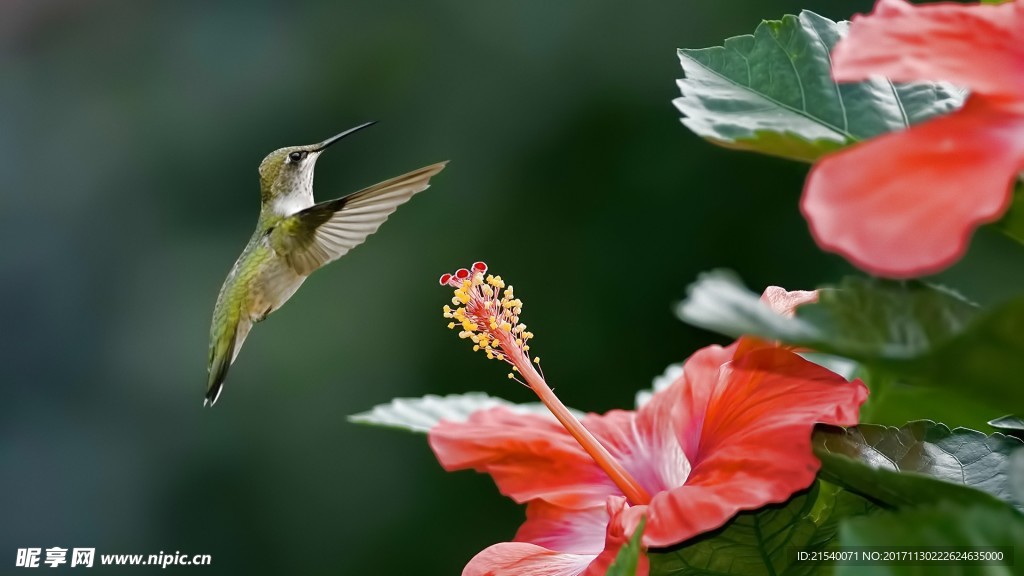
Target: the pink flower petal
(528, 456)
(565, 530)
(745, 423)
(521, 559)
(620, 530)
(906, 203)
(587, 541)
(784, 302)
(975, 46)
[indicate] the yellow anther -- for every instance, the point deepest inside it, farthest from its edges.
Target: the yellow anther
(490, 354)
(519, 342)
(506, 326)
(451, 325)
(536, 359)
(476, 348)
(511, 376)
(465, 334)
(514, 369)
(499, 355)
(467, 325)
(447, 309)
(526, 348)
(527, 335)
(494, 325)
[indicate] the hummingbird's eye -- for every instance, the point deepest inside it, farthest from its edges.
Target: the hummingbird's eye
(298, 155)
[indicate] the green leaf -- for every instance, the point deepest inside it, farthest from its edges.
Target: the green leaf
(772, 92)
(1012, 222)
(1017, 475)
(626, 560)
(943, 524)
(422, 414)
(921, 462)
(895, 403)
(1011, 425)
(918, 333)
(762, 541)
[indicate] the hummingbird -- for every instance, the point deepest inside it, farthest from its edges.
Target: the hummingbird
(295, 237)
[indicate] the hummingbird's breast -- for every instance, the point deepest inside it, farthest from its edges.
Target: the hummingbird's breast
(259, 283)
(271, 283)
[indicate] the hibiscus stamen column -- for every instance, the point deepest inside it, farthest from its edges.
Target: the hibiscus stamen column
(487, 312)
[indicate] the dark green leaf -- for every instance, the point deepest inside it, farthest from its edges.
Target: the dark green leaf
(763, 541)
(772, 92)
(1017, 475)
(1012, 222)
(626, 560)
(421, 414)
(942, 524)
(921, 462)
(919, 333)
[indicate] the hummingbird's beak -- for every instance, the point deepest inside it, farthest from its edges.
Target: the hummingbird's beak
(320, 147)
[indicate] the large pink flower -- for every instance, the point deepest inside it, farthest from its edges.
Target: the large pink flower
(732, 433)
(905, 204)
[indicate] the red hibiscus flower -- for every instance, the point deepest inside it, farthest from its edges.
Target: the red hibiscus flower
(905, 204)
(732, 433)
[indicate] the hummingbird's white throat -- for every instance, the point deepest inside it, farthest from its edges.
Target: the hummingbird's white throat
(295, 184)
(292, 203)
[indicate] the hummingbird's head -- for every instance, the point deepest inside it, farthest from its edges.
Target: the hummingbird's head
(287, 173)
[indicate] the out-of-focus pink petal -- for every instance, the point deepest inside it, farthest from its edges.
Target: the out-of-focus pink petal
(975, 46)
(522, 559)
(745, 423)
(529, 457)
(905, 204)
(784, 302)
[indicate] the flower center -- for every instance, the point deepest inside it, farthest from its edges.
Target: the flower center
(488, 313)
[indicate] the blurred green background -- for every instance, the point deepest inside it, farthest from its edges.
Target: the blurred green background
(130, 133)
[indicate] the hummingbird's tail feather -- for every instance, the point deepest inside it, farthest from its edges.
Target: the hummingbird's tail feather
(223, 352)
(221, 356)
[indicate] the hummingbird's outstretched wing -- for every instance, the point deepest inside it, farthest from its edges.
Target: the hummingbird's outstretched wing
(326, 231)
